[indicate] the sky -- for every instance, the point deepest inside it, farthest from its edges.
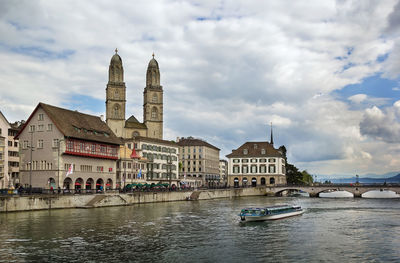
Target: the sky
(325, 73)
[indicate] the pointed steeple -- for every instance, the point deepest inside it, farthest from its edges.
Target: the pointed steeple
(153, 74)
(272, 137)
(116, 71)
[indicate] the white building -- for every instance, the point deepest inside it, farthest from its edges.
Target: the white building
(256, 163)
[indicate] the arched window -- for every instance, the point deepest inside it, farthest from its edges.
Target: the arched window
(154, 99)
(272, 180)
(154, 113)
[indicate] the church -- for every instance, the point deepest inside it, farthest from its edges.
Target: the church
(152, 126)
(141, 140)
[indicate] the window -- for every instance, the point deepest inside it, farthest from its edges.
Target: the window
(253, 160)
(263, 169)
(263, 160)
(99, 168)
(41, 117)
(154, 113)
(40, 144)
(253, 169)
(245, 160)
(262, 151)
(10, 143)
(271, 169)
(40, 127)
(32, 128)
(236, 160)
(15, 144)
(25, 144)
(154, 99)
(236, 169)
(271, 160)
(255, 146)
(245, 151)
(49, 127)
(245, 169)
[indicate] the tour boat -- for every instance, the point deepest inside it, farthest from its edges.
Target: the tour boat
(270, 213)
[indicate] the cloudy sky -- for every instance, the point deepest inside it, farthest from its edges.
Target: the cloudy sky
(325, 73)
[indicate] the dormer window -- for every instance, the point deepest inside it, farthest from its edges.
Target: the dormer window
(255, 146)
(262, 151)
(245, 151)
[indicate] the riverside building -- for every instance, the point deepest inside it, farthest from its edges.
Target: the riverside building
(256, 163)
(199, 162)
(67, 149)
(9, 153)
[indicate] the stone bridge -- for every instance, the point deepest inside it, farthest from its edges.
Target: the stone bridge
(314, 191)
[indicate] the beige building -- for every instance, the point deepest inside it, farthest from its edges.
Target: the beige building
(162, 159)
(256, 163)
(9, 153)
(67, 149)
(131, 168)
(223, 172)
(199, 162)
(152, 125)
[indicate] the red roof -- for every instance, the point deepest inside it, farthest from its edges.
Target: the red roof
(134, 155)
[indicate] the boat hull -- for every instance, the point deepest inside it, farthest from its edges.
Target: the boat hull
(270, 217)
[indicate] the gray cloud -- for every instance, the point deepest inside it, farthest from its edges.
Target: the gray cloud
(384, 126)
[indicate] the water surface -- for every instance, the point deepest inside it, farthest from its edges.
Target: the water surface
(331, 230)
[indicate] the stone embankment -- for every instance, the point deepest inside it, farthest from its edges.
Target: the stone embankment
(44, 202)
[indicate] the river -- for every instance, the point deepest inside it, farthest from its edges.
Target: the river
(331, 230)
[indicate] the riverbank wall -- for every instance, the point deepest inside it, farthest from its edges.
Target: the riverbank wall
(55, 201)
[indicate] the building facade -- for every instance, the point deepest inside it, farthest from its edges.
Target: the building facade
(256, 163)
(223, 172)
(152, 125)
(199, 162)
(9, 153)
(131, 168)
(162, 159)
(67, 149)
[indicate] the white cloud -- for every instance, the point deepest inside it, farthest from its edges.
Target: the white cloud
(358, 98)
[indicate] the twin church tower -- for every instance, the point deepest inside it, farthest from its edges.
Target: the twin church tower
(152, 125)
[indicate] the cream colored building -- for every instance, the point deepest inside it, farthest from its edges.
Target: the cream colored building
(256, 163)
(131, 168)
(67, 149)
(199, 162)
(223, 172)
(162, 159)
(152, 125)
(9, 153)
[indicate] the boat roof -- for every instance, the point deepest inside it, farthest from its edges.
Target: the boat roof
(275, 207)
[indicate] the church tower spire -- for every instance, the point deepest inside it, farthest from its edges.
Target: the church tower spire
(272, 137)
(153, 101)
(116, 95)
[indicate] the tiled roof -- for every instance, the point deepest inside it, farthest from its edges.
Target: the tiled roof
(195, 142)
(132, 122)
(78, 125)
(254, 149)
(154, 140)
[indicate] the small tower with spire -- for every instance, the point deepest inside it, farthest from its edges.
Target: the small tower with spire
(272, 137)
